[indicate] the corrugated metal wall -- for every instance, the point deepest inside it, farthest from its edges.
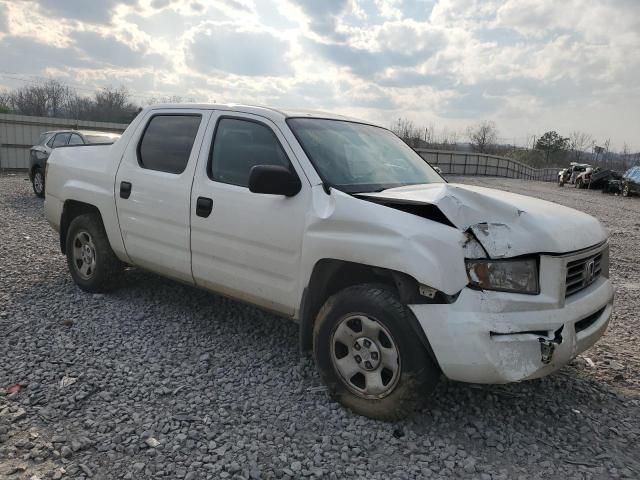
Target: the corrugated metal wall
(18, 133)
(481, 164)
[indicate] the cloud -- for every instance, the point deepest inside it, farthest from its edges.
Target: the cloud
(84, 10)
(367, 63)
(322, 15)
(158, 4)
(27, 56)
(107, 50)
(526, 64)
(3, 19)
(249, 53)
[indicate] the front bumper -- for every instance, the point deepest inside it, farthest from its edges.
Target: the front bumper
(494, 337)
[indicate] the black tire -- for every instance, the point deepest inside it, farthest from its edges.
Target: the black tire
(578, 183)
(107, 269)
(417, 374)
(38, 183)
(625, 190)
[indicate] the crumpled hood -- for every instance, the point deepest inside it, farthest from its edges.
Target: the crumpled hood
(506, 224)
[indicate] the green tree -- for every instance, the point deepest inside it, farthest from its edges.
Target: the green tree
(553, 145)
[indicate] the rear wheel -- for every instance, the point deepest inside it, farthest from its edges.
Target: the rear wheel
(37, 181)
(92, 263)
(369, 355)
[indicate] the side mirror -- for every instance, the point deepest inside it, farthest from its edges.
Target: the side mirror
(273, 180)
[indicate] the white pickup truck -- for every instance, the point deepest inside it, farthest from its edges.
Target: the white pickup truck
(394, 275)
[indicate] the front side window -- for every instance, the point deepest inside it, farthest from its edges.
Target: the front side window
(167, 142)
(60, 140)
(358, 158)
(238, 146)
(75, 139)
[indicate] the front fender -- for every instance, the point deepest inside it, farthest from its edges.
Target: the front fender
(346, 228)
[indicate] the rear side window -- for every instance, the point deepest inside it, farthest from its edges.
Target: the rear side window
(167, 141)
(632, 172)
(60, 140)
(75, 140)
(238, 146)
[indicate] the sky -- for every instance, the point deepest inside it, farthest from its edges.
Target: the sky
(528, 65)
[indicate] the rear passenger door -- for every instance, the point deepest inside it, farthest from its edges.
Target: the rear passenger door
(153, 190)
(246, 245)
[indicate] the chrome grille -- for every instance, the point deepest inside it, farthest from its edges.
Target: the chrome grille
(582, 273)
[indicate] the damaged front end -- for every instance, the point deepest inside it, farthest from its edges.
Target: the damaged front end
(515, 319)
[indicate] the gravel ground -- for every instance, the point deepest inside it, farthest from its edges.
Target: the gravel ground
(162, 380)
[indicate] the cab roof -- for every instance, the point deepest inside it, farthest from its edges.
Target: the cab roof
(268, 112)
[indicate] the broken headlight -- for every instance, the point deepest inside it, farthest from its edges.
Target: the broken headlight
(519, 276)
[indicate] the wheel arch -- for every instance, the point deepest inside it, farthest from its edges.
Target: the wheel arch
(71, 210)
(330, 276)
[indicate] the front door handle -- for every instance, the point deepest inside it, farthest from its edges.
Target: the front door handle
(125, 190)
(204, 206)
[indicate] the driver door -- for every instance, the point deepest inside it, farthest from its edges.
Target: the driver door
(243, 244)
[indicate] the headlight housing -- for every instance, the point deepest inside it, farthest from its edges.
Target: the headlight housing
(518, 276)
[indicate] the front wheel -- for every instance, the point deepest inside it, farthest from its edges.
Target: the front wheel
(369, 355)
(37, 181)
(625, 191)
(92, 263)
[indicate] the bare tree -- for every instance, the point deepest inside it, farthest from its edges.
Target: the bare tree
(606, 152)
(580, 143)
(483, 136)
(113, 105)
(30, 100)
(5, 103)
(447, 139)
(626, 156)
(408, 131)
(170, 99)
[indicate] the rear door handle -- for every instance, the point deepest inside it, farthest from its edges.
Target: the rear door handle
(204, 206)
(125, 190)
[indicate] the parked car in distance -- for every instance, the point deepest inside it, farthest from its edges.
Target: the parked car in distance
(631, 182)
(59, 138)
(394, 275)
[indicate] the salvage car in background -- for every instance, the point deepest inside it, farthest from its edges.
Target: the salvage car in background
(394, 275)
(59, 138)
(631, 179)
(569, 175)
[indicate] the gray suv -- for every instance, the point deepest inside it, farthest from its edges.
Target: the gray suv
(60, 138)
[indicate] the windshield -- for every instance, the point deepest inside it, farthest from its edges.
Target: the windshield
(357, 158)
(43, 138)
